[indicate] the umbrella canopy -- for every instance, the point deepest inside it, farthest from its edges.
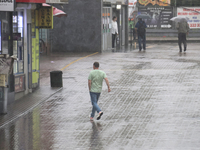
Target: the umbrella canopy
(56, 12)
(180, 19)
(143, 16)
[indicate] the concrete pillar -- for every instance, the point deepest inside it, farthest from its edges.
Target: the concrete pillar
(126, 27)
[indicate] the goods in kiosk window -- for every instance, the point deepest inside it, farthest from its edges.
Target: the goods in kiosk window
(6, 66)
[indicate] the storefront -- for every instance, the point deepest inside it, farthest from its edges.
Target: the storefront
(6, 49)
(19, 38)
(28, 19)
(18, 50)
(22, 48)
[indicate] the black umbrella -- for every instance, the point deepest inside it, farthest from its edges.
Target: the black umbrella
(143, 16)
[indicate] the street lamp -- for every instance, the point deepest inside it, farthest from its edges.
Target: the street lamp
(118, 6)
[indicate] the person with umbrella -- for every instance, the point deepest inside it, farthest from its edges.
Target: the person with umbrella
(140, 29)
(183, 29)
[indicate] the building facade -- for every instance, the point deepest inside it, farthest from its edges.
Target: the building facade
(87, 27)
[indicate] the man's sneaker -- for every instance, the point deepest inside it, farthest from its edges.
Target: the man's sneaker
(100, 114)
(91, 119)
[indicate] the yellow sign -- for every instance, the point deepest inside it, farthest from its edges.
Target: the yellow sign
(155, 2)
(35, 49)
(2, 80)
(45, 17)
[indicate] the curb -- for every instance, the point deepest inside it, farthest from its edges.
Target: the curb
(167, 41)
(29, 110)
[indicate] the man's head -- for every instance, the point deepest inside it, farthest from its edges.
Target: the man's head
(114, 18)
(140, 19)
(96, 65)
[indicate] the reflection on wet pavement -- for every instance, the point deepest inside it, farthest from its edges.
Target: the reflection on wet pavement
(154, 104)
(95, 136)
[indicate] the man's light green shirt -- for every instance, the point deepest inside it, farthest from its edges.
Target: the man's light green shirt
(96, 76)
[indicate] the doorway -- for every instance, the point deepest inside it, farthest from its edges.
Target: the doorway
(107, 24)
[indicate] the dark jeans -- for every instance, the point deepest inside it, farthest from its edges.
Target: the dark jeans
(182, 39)
(113, 40)
(142, 39)
(134, 34)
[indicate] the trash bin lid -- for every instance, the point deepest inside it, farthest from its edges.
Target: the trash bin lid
(58, 71)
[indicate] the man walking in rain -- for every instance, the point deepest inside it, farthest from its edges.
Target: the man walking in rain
(183, 29)
(140, 29)
(95, 81)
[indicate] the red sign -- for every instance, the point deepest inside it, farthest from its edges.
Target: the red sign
(31, 1)
(192, 13)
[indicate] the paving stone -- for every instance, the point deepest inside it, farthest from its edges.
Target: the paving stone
(154, 104)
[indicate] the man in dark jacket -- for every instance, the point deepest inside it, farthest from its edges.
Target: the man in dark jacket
(183, 29)
(140, 29)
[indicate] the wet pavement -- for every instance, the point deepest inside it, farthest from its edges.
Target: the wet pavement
(154, 104)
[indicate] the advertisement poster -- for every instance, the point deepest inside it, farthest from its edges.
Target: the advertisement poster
(155, 2)
(160, 16)
(193, 13)
(132, 8)
(19, 83)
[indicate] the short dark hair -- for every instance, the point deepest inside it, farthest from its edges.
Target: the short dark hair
(96, 64)
(114, 17)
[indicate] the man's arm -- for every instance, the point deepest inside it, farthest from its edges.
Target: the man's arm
(107, 82)
(89, 84)
(145, 25)
(188, 28)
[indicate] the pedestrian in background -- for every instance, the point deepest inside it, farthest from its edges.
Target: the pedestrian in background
(134, 23)
(95, 81)
(132, 26)
(114, 30)
(140, 29)
(183, 29)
